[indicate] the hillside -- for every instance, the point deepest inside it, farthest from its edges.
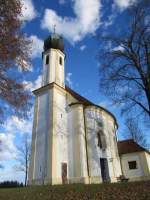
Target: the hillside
(118, 191)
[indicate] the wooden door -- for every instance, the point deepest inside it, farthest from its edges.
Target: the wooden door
(64, 173)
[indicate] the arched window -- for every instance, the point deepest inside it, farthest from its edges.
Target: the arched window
(101, 140)
(47, 60)
(60, 60)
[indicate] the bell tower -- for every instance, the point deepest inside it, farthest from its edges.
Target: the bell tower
(42, 162)
(53, 61)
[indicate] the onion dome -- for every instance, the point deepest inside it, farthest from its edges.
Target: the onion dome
(54, 41)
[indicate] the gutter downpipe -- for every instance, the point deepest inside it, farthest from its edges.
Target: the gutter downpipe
(86, 146)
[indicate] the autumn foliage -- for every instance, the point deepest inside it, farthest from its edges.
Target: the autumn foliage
(14, 58)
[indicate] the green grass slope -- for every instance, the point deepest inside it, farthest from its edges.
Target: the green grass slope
(117, 191)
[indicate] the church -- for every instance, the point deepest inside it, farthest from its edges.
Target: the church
(73, 140)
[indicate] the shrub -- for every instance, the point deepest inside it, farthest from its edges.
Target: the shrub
(10, 184)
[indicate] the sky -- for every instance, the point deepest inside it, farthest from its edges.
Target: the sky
(78, 22)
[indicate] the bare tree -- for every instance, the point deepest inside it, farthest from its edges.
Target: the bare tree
(24, 151)
(15, 52)
(125, 68)
(136, 133)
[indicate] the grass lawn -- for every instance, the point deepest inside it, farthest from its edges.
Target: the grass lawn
(116, 191)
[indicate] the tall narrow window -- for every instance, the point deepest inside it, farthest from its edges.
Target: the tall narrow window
(47, 60)
(101, 140)
(60, 60)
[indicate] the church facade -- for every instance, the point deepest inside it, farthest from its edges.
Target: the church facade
(73, 140)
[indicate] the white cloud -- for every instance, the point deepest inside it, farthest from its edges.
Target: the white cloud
(86, 22)
(110, 20)
(83, 47)
(68, 79)
(13, 130)
(118, 48)
(9, 173)
(8, 149)
(123, 4)
(61, 2)
(28, 10)
(16, 125)
(104, 103)
(32, 85)
(109, 47)
(37, 46)
(2, 166)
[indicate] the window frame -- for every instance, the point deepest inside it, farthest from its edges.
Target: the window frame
(132, 165)
(101, 140)
(60, 60)
(47, 60)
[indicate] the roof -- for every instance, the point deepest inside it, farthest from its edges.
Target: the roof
(77, 96)
(86, 102)
(54, 41)
(129, 146)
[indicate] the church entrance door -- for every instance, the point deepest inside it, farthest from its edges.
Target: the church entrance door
(104, 169)
(64, 173)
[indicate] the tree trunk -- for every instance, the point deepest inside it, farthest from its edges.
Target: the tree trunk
(25, 182)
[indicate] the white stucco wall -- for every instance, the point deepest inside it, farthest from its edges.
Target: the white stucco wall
(54, 71)
(93, 150)
(41, 136)
(61, 71)
(148, 161)
(77, 149)
(68, 139)
(93, 117)
(60, 143)
(45, 70)
(132, 173)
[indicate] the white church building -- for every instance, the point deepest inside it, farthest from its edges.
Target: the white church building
(73, 140)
